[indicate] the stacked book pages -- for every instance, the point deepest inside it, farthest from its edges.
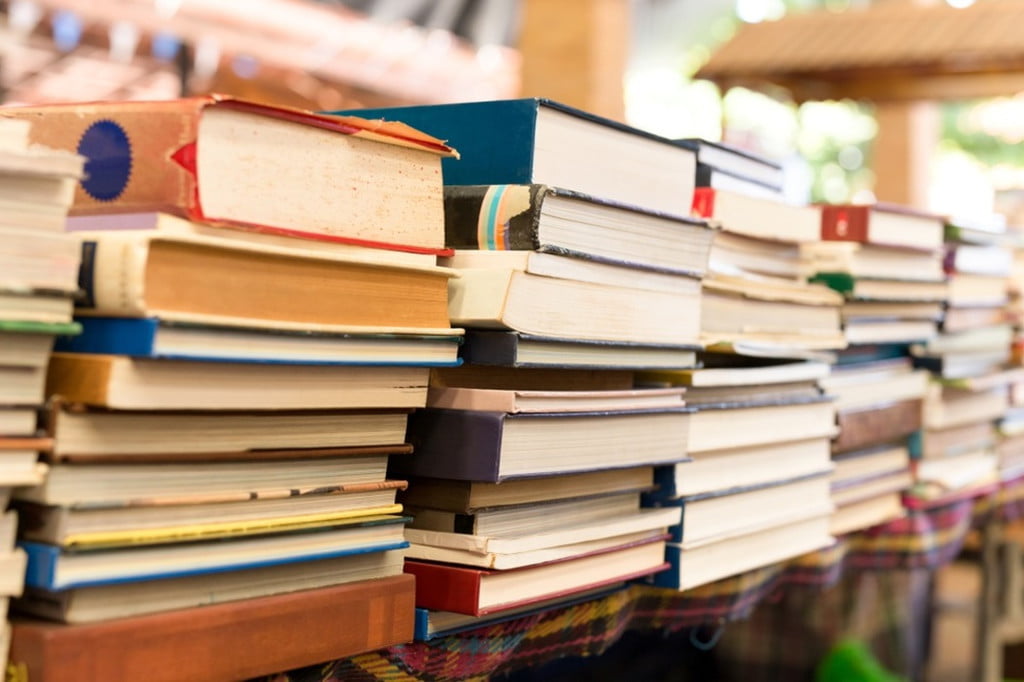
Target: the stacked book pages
(574, 270)
(38, 277)
(261, 308)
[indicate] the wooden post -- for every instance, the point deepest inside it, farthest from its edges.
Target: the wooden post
(908, 134)
(575, 52)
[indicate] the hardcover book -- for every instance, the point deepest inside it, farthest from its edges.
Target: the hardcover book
(552, 220)
(524, 141)
(753, 216)
(304, 174)
(882, 225)
(513, 349)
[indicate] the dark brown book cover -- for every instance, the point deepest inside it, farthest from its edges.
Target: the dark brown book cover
(877, 425)
(236, 640)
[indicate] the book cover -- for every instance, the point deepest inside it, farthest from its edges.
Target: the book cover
(300, 628)
(877, 424)
(535, 140)
(146, 156)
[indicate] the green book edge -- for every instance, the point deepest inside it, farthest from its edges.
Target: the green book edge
(837, 281)
(30, 327)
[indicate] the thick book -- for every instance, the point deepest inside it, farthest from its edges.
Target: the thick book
(237, 640)
(303, 174)
(553, 220)
(142, 274)
(524, 141)
(477, 592)
(35, 307)
(493, 446)
(52, 568)
(150, 337)
(100, 435)
(127, 486)
(496, 290)
(513, 349)
(467, 497)
(726, 371)
(122, 600)
(120, 382)
(869, 261)
(882, 225)
(752, 216)
(878, 424)
(869, 289)
(29, 343)
(37, 260)
(524, 401)
(720, 428)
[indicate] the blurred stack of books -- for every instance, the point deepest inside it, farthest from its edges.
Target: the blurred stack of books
(38, 277)
(222, 428)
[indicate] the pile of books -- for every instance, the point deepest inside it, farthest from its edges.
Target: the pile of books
(969, 363)
(756, 490)
(38, 277)
(575, 269)
(223, 425)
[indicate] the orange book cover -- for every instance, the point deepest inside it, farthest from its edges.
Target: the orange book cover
(143, 156)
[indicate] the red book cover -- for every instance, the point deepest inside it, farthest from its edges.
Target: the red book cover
(144, 156)
(846, 222)
(704, 202)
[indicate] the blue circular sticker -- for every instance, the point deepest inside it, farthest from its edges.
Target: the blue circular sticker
(108, 165)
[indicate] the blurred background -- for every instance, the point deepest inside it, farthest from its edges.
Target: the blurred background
(915, 108)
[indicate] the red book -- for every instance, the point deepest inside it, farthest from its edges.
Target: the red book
(882, 225)
(756, 216)
(478, 592)
(253, 166)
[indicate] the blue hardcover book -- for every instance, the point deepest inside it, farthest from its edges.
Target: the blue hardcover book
(52, 569)
(523, 141)
(155, 338)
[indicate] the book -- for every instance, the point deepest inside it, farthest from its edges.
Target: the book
(867, 513)
(954, 440)
(726, 428)
(124, 600)
(19, 461)
(29, 344)
(506, 296)
(857, 491)
(720, 514)
(948, 407)
(508, 553)
(514, 549)
(81, 435)
(35, 307)
(752, 394)
(493, 446)
(961, 318)
(37, 260)
(432, 624)
(733, 160)
(936, 479)
(120, 382)
(532, 378)
(466, 497)
(17, 421)
(97, 486)
(515, 401)
(22, 385)
(513, 349)
(701, 563)
(12, 572)
(865, 427)
(304, 174)
(975, 259)
(753, 216)
(742, 467)
(872, 381)
(734, 254)
(882, 225)
(190, 643)
(868, 289)
(558, 221)
(53, 569)
(722, 370)
(865, 464)
(137, 524)
(169, 224)
(150, 337)
(525, 141)
(716, 178)
(967, 289)
(932, 311)
(866, 331)
(141, 274)
(478, 592)
(868, 261)
(734, 317)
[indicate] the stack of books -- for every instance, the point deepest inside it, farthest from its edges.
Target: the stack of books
(1010, 441)
(887, 262)
(575, 268)
(756, 490)
(222, 428)
(38, 277)
(968, 361)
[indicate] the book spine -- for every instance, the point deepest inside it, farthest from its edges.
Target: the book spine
(112, 275)
(670, 577)
(844, 223)
(115, 140)
(446, 588)
(113, 336)
(490, 348)
(493, 217)
(82, 379)
(41, 570)
(704, 202)
(456, 444)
